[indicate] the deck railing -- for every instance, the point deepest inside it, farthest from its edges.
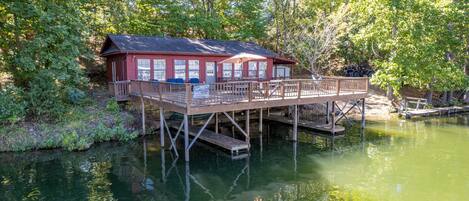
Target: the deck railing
(195, 95)
(120, 89)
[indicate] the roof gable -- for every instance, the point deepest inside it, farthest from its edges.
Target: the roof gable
(148, 44)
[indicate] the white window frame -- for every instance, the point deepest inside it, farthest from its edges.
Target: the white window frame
(143, 69)
(180, 70)
(227, 69)
(159, 69)
(238, 70)
(262, 73)
(252, 69)
(194, 69)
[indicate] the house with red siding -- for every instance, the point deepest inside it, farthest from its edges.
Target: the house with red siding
(131, 57)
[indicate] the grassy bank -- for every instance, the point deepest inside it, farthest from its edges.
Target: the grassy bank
(78, 129)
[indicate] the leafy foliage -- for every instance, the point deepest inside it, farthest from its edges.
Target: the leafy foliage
(12, 105)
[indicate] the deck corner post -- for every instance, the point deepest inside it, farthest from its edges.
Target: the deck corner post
(216, 122)
(186, 137)
(363, 113)
(260, 120)
(338, 87)
(142, 102)
(161, 127)
(295, 124)
(188, 95)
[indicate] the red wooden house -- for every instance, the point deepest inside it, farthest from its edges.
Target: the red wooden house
(160, 58)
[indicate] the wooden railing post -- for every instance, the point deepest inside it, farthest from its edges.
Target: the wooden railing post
(298, 88)
(266, 89)
(338, 86)
(159, 92)
(282, 89)
(367, 82)
(188, 94)
(249, 91)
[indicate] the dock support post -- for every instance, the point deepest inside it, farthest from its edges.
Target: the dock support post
(333, 118)
(163, 166)
(143, 114)
(327, 112)
(247, 128)
(186, 137)
(161, 127)
(188, 182)
(216, 122)
(295, 124)
(260, 120)
(363, 112)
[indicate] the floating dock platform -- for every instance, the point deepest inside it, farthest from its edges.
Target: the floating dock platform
(326, 128)
(434, 112)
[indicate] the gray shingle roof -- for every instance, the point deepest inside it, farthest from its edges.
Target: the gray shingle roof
(129, 43)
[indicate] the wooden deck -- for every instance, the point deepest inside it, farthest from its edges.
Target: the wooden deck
(233, 145)
(306, 124)
(232, 96)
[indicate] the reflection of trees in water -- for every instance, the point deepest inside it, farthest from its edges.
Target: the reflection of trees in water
(99, 185)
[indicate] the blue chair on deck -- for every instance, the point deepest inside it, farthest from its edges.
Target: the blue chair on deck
(194, 81)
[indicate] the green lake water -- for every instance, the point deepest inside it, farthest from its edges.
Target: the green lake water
(390, 160)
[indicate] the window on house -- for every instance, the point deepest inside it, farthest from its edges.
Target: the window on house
(180, 69)
(159, 69)
(252, 69)
(227, 70)
(194, 69)
(143, 69)
(238, 70)
(262, 69)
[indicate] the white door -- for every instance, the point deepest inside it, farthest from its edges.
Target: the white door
(210, 72)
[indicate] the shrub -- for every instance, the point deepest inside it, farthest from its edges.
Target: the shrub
(102, 133)
(112, 106)
(45, 98)
(12, 104)
(72, 141)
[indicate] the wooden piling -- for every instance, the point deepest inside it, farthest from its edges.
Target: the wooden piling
(295, 123)
(260, 120)
(161, 126)
(186, 137)
(363, 113)
(247, 128)
(333, 118)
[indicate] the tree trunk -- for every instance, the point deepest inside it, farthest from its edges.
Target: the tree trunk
(389, 92)
(444, 98)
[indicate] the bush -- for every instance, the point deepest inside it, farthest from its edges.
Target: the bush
(45, 98)
(12, 104)
(112, 106)
(72, 141)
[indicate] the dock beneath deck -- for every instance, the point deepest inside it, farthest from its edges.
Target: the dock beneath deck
(233, 145)
(326, 128)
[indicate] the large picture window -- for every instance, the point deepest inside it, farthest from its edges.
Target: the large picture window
(252, 69)
(238, 70)
(159, 69)
(227, 70)
(143, 69)
(180, 69)
(262, 69)
(194, 69)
